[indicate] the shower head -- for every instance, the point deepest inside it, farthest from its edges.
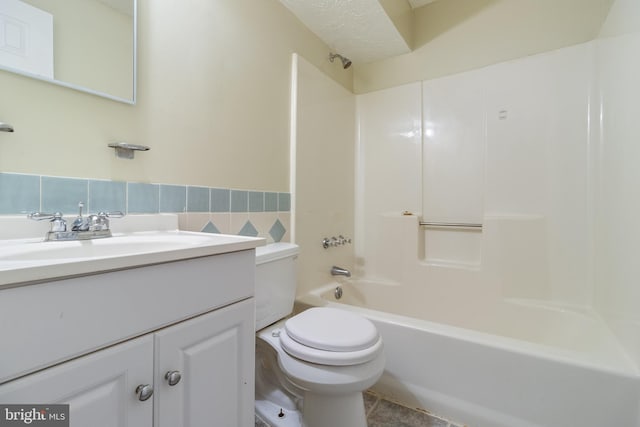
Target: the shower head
(346, 62)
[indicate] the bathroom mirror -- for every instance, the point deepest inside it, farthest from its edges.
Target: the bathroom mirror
(86, 45)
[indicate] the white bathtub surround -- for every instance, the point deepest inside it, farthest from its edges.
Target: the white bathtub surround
(531, 320)
(618, 155)
(507, 144)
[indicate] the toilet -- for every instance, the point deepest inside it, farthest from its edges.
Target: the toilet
(312, 368)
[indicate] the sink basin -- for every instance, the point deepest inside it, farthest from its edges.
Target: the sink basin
(32, 260)
(121, 245)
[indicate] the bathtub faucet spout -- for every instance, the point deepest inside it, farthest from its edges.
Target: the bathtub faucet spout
(339, 271)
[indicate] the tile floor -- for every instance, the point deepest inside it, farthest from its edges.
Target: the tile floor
(385, 413)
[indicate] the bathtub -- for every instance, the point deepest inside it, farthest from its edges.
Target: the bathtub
(510, 364)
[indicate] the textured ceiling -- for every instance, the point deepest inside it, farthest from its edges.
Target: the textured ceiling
(358, 29)
(122, 6)
(419, 3)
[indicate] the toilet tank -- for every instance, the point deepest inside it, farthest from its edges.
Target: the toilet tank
(275, 282)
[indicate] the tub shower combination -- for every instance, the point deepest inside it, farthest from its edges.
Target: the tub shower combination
(517, 364)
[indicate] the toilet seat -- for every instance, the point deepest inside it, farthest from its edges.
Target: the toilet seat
(322, 378)
(329, 336)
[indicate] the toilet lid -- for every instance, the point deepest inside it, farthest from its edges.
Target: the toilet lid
(329, 358)
(332, 329)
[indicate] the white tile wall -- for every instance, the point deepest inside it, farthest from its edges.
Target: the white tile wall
(617, 200)
(509, 141)
(389, 170)
(454, 148)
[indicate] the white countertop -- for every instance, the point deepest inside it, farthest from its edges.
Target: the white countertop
(31, 260)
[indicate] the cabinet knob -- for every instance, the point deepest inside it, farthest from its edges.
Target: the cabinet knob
(173, 377)
(144, 392)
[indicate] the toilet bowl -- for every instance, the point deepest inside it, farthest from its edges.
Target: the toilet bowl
(311, 368)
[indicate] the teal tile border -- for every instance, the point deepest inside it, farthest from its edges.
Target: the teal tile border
(23, 193)
(198, 199)
(239, 201)
(19, 193)
(220, 199)
(107, 196)
(63, 194)
(143, 198)
(270, 202)
(256, 201)
(173, 198)
(284, 202)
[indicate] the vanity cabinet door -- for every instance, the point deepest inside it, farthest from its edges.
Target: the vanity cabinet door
(214, 356)
(99, 387)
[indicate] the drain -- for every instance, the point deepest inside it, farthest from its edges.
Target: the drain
(338, 292)
(281, 414)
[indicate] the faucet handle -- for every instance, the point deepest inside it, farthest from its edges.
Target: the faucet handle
(100, 222)
(114, 214)
(41, 216)
(57, 222)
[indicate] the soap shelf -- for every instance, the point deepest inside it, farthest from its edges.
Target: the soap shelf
(124, 150)
(5, 127)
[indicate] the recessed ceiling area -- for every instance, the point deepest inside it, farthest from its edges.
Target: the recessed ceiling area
(358, 29)
(362, 30)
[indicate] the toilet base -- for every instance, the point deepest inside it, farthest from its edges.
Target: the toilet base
(345, 410)
(320, 411)
(313, 395)
(276, 416)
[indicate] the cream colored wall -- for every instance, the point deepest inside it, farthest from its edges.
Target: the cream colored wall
(324, 177)
(459, 35)
(213, 102)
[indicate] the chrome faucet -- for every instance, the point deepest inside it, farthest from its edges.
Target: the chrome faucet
(339, 271)
(82, 228)
(80, 223)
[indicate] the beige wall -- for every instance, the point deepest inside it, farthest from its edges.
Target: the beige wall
(459, 35)
(213, 102)
(324, 177)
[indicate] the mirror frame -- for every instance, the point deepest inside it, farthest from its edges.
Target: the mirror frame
(131, 101)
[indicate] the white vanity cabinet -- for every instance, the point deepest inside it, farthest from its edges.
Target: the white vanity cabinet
(98, 387)
(214, 356)
(93, 341)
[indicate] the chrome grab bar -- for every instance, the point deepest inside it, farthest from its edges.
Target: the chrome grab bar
(450, 225)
